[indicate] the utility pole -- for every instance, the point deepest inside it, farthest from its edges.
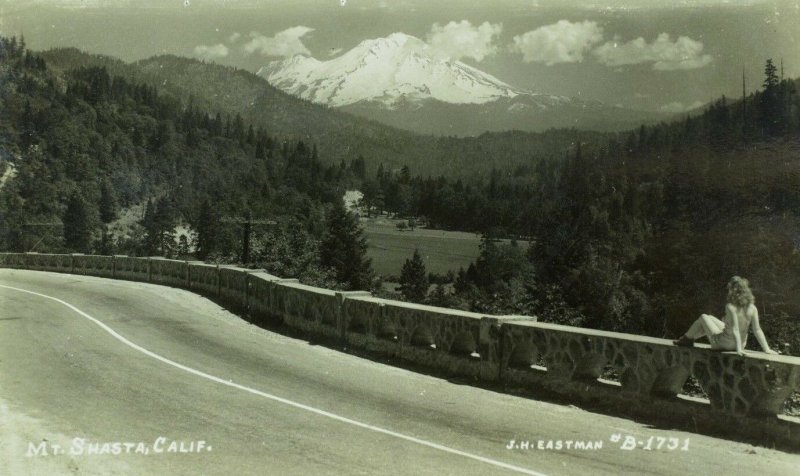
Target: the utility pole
(247, 223)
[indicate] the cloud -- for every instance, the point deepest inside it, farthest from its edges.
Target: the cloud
(211, 52)
(678, 107)
(665, 54)
(458, 40)
(285, 43)
(234, 37)
(560, 42)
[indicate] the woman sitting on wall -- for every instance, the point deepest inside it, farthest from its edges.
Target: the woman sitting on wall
(730, 334)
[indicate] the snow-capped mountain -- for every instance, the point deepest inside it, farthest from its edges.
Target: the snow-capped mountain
(386, 70)
(402, 81)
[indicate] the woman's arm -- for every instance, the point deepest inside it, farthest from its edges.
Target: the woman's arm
(733, 317)
(762, 340)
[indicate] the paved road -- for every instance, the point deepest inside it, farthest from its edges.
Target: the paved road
(138, 363)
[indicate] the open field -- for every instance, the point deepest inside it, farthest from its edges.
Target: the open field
(441, 250)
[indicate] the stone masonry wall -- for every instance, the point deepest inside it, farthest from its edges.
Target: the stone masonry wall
(516, 351)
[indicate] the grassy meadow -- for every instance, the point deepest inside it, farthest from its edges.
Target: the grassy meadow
(441, 250)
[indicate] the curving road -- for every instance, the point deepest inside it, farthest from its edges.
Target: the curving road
(175, 384)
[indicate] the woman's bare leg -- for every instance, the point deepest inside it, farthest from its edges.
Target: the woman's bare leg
(696, 330)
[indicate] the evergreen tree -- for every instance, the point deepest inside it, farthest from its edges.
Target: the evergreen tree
(358, 168)
(771, 101)
(442, 298)
(289, 251)
(108, 212)
(771, 79)
(77, 227)
(207, 230)
(150, 228)
(414, 279)
(344, 249)
(370, 192)
(164, 226)
(183, 246)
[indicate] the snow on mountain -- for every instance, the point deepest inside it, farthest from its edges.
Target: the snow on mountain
(402, 81)
(398, 68)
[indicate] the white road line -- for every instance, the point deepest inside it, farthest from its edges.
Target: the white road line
(276, 398)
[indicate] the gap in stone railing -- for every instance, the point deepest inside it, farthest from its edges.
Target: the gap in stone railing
(611, 375)
(422, 338)
(527, 357)
(693, 390)
(464, 345)
(791, 406)
(540, 365)
(392, 337)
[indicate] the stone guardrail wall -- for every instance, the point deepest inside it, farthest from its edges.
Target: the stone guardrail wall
(743, 391)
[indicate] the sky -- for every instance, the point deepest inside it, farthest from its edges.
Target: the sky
(638, 54)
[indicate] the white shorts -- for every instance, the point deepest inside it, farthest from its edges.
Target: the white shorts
(715, 330)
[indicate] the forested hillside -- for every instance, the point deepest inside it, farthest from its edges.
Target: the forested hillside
(641, 235)
(339, 136)
(87, 146)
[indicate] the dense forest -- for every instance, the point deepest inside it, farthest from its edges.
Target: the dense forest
(85, 147)
(639, 235)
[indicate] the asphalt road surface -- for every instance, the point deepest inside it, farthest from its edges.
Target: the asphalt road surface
(111, 377)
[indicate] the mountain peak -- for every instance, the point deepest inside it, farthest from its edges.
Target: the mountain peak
(397, 68)
(392, 44)
(398, 38)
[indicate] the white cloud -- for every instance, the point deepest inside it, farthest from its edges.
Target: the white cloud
(211, 52)
(560, 42)
(665, 54)
(234, 37)
(458, 40)
(285, 43)
(678, 107)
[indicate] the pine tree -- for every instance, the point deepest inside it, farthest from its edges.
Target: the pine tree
(164, 221)
(771, 101)
(370, 192)
(344, 249)
(771, 79)
(414, 279)
(150, 225)
(207, 230)
(358, 168)
(77, 228)
(108, 211)
(183, 246)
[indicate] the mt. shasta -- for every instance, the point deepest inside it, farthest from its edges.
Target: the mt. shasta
(402, 81)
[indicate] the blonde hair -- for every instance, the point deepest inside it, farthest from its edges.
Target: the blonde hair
(739, 293)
